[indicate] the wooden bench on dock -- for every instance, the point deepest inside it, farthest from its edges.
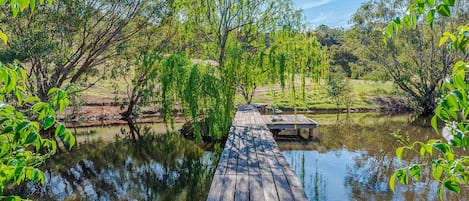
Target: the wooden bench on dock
(296, 122)
(251, 166)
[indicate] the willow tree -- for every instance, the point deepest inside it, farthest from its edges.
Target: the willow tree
(250, 43)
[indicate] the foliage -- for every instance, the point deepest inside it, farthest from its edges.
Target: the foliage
(16, 6)
(143, 86)
(338, 88)
(22, 149)
(449, 168)
(243, 45)
(413, 60)
(82, 38)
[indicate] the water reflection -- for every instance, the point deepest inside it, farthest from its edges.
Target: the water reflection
(152, 167)
(353, 159)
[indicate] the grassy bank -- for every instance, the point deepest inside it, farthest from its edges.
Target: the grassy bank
(361, 94)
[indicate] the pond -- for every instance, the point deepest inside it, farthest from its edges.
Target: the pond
(108, 165)
(354, 157)
(351, 159)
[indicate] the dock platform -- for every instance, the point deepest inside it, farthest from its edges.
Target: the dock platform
(296, 122)
(251, 166)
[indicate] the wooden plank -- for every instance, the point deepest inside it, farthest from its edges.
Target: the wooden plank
(233, 157)
(242, 188)
(228, 188)
(283, 188)
(253, 161)
(216, 188)
(270, 191)
(223, 163)
(251, 166)
(242, 166)
(296, 188)
(256, 188)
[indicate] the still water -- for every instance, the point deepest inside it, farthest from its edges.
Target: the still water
(353, 158)
(107, 165)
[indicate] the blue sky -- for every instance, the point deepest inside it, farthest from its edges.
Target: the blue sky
(333, 13)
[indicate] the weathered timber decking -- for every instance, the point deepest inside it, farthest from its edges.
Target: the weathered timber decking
(288, 121)
(251, 166)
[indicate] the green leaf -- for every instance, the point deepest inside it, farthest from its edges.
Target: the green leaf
(431, 2)
(443, 10)
(449, 2)
(443, 147)
(23, 4)
(32, 99)
(4, 37)
(14, 7)
(431, 17)
(422, 151)
(435, 123)
(399, 152)
(415, 171)
(60, 130)
(8, 129)
(437, 171)
(31, 138)
(23, 126)
(69, 140)
(392, 181)
(32, 5)
(402, 176)
(452, 185)
(390, 28)
(48, 122)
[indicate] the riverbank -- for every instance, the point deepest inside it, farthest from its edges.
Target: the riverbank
(98, 109)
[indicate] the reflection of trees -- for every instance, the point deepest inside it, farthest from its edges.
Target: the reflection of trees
(152, 167)
(367, 179)
(371, 133)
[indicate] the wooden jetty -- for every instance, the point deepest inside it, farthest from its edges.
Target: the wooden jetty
(297, 122)
(251, 166)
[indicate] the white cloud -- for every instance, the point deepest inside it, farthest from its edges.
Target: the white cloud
(320, 19)
(312, 3)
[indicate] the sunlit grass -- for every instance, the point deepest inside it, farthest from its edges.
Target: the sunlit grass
(362, 93)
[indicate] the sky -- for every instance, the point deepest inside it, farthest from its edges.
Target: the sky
(333, 13)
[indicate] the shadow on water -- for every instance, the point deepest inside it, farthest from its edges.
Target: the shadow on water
(353, 159)
(147, 166)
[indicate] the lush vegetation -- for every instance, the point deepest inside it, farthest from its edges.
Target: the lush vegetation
(202, 58)
(449, 164)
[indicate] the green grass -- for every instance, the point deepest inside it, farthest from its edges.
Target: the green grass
(362, 92)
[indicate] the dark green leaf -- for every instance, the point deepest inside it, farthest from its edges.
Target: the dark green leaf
(31, 138)
(23, 126)
(415, 171)
(48, 122)
(431, 17)
(444, 10)
(402, 176)
(452, 185)
(60, 130)
(449, 2)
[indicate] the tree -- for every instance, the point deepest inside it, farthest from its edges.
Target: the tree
(450, 167)
(63, 42)
(22, 148)
(329, 36)
(337, 89)
(413, 60)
